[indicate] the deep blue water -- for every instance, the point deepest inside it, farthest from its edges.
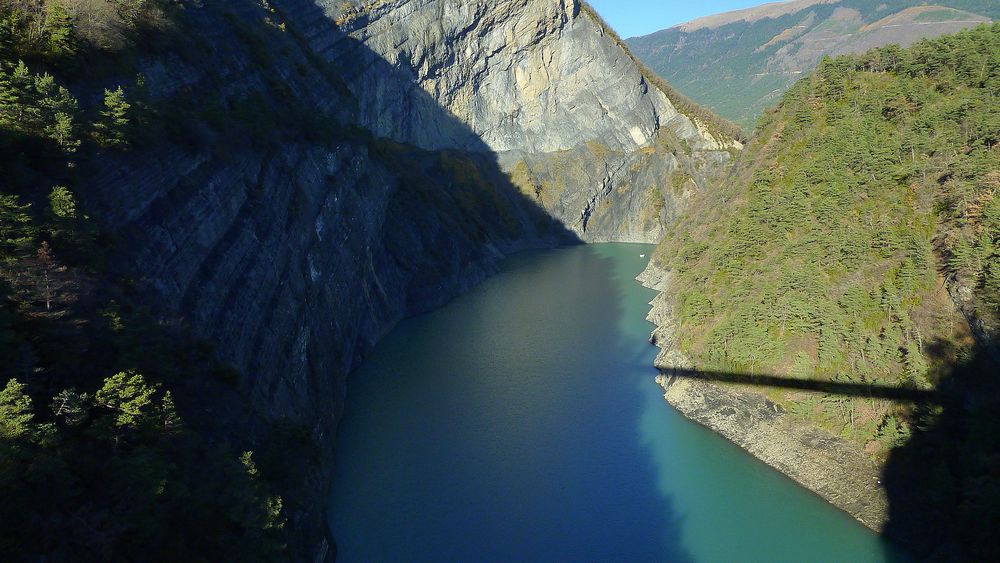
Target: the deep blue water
(521, 422)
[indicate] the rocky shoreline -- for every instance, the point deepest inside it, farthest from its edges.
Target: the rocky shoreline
(831, 467)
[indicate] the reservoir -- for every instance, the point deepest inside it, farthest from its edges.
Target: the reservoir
(521, 422)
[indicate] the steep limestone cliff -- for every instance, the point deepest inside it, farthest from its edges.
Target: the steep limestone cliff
(386, 158)
(541, 85)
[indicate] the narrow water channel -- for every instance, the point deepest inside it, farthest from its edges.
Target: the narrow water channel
(521, 422)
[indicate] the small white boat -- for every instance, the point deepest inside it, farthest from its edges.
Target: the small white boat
(642, 256)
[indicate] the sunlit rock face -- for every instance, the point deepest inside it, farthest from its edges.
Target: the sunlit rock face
(540, 83)
(528, 76)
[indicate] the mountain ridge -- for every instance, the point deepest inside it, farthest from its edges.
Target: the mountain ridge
(768, 10)
(742, 63)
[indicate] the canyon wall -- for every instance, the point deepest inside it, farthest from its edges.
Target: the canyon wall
(541, 85)
(389, 155)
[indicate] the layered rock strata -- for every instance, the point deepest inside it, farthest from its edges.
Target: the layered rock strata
(335, 168)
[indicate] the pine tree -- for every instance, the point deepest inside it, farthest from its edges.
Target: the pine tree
(8, 42)
(131, 11)
(8, 97)
(915, 365)
(59, 26)
(15, 411)
(248, 464)
(802, 366)
(16, 231)
(111, 128)
(908, 276)
(829, 348)
(62, 131)
(962, 258)
(170, 421)
(70, 407)
(65, 228)
(62, 203)
(128, 396)
(53, 98)
(26, 114)
(991, 284)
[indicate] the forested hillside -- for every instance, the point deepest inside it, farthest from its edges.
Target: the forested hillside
(858, 242)
(741, 62)
(867, 196)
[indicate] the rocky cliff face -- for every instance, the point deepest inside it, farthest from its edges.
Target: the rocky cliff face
(539, 84)
(387, 157)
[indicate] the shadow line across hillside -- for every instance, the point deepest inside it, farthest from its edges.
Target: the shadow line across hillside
(850, 389)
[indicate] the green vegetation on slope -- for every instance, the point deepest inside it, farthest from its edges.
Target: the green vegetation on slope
(870, 191)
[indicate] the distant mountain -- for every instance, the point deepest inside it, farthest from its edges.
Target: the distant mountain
(739, 63)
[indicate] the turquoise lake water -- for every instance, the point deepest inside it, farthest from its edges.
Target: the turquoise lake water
(521, 422)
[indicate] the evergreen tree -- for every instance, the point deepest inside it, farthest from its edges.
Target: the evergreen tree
(70, 407)
(8, 41)
(962, 258)
(25, 115)
(68, 231)
(128, 396)
(802, 366)
(16, 230)
(62, 131)
(112, 126)
(991, 284)
(170, 421)
(59, 27)
(15, 411)
(62, 203)
(52, 98)
(8, 96)
(131, 11)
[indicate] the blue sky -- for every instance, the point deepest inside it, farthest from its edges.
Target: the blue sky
(641, 17)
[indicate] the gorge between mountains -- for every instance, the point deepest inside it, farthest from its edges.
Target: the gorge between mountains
(462, 128)
(402, 265)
